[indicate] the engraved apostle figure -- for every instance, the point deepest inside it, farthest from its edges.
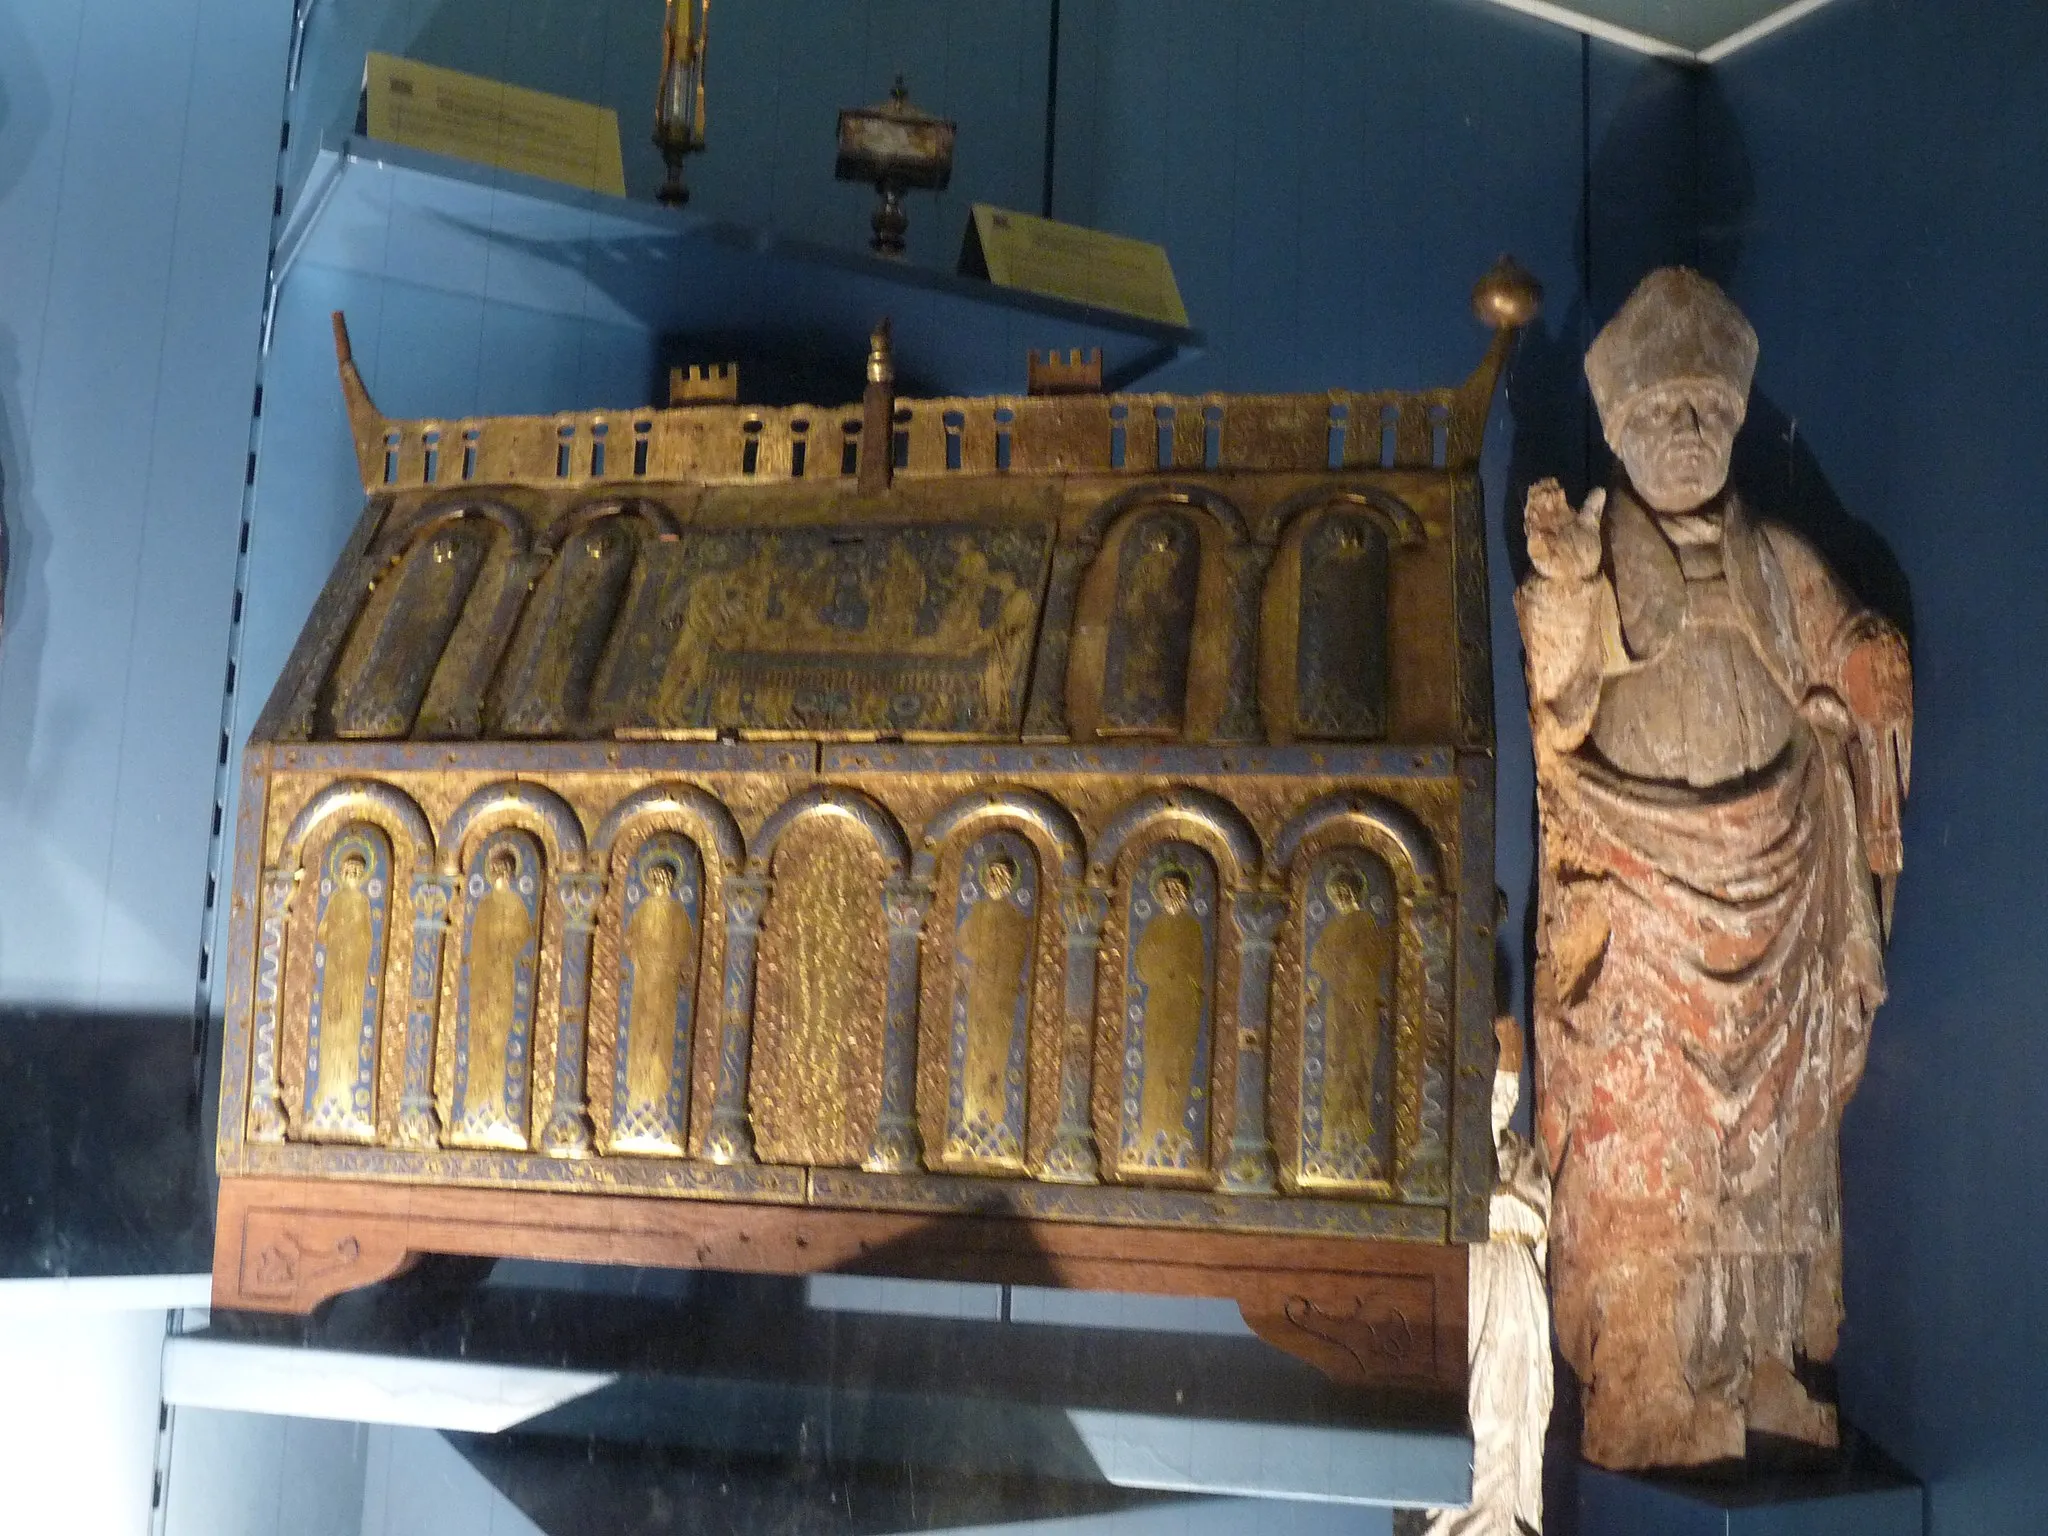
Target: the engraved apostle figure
(661, 948)
(1722, 744)
(346, 940)
(501, 934)
(1351, 965)
(995, 948)
(1171, 964)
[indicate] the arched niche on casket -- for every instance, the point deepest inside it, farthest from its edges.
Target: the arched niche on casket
(657, 967)
(592, 565)
(1166, 987)
(507, 847)
(1361, 1006)
(822, 978)
(1156, 631)
(352, 852)
(1326, 621)
(993, 975)
(427, 634)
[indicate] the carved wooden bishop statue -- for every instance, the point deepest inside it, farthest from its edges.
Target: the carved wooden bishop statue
(1722, 742)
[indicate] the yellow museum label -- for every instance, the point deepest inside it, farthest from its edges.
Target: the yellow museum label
(1065, 261)
(491, 123)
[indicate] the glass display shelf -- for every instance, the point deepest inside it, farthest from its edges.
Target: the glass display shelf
(714, 1369)
(723, 291)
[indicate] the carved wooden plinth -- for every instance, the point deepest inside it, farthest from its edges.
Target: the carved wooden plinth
(1368, 1314)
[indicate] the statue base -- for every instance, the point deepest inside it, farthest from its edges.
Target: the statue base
(1862, 1493)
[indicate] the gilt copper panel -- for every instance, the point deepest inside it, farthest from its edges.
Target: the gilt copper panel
(1168, 997)
(1340, 658)
(350, 938)
(385, 668)
(993, 907)
(659, 941)
(1154, 628)
(1151, 626)
(1249, 652)
(821, 996)
(495, 987)
(544, 689)
(908, 629)
(1350, 959)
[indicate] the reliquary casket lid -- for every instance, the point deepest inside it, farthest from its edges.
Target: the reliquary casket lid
(1075, 805)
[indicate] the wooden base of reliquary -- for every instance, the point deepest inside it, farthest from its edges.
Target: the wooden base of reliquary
(1368, 1314)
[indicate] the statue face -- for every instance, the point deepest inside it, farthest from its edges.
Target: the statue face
(1345, 890)
(660, 878)
(1172, 889)
(1674, 441)
(354, 869)
(998, 877)
(501, 866)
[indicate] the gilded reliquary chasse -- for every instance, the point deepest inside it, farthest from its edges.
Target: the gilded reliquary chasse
(1071, 806)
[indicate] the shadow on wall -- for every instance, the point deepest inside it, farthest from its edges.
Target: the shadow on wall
(1774, 469)
(24, 533)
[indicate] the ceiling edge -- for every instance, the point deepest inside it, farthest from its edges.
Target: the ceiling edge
(1757, 30)
(1657, 47)
(1606, 31)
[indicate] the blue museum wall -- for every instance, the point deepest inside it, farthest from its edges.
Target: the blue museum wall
(137, 149)
(1883, 211)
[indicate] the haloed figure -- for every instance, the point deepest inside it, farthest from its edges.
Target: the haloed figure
(502, 930)
(1350, 962)
(659, 943)
(995, 945)
(345, 942)
(1171, 964)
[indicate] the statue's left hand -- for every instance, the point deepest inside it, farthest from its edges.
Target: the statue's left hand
(1877, 688)
(1877, 680)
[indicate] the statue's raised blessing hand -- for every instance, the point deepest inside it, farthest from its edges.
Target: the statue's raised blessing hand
(1563, 544)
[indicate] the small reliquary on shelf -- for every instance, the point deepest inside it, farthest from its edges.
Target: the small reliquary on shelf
(1042, 837)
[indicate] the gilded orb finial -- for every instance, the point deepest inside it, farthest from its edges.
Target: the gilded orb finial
(881, 361)
(1507, 295)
